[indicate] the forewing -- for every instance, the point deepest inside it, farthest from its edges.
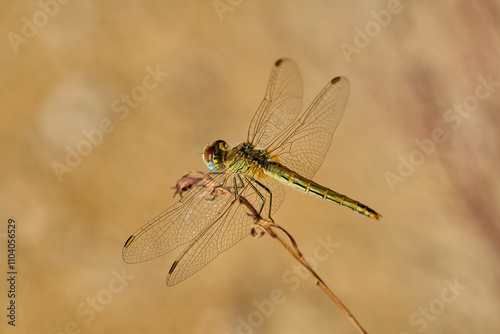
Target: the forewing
(281, 105)
(222, 233)
(303, 146)
(178, 224)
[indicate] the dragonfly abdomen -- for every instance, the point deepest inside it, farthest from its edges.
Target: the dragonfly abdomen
(289, 177)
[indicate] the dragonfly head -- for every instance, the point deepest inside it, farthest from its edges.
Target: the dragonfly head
(215, 155)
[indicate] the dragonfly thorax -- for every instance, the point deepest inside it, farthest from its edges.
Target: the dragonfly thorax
(246, 159)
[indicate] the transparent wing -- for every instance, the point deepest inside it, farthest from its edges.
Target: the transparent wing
(220, 234)
(178, 224)
(281, 105)
(302, 146)
(209, 216)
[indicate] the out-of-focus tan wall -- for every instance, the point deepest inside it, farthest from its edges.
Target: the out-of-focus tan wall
(419, 143)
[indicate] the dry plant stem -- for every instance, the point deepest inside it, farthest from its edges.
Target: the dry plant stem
(188, 180)
(267, 227)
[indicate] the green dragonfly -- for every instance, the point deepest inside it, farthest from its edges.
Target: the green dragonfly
(281, 148)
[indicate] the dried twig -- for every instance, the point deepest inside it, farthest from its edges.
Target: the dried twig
(262, 227)
(267, 227)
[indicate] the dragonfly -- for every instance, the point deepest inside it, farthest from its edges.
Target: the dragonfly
(283, 147)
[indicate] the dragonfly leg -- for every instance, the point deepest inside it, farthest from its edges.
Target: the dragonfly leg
(223, 185)
(235, 188)
(270, 199)
(258, 193)
(262, 196)
(225, 181)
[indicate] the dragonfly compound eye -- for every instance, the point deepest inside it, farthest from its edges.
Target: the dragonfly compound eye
(208, 158)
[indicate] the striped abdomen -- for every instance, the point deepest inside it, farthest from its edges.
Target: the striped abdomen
(289, 177)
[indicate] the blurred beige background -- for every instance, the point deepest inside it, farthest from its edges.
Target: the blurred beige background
(429, 266)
